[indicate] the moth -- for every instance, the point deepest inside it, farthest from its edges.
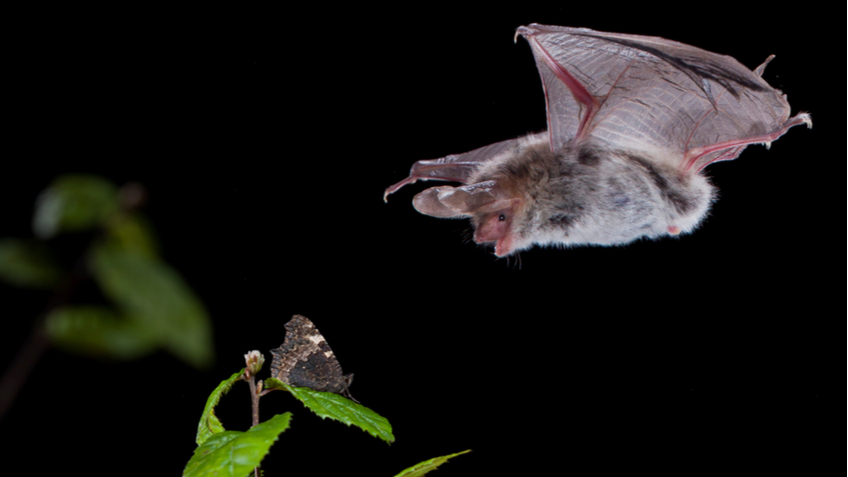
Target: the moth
(632, 122)
(306, 360)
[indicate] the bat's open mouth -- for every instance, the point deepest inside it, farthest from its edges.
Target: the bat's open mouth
(503, 247)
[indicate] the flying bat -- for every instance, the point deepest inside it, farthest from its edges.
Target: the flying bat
(632, 122)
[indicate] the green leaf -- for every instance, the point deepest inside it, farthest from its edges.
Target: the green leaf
(154, 295)
(74, 202)
(27, 265)
(233, 453)
(421, 469)
(97, 331)
(209, 422)
(339, 408)
(133, 233)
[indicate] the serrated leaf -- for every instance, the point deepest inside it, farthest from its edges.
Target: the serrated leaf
(421, 469)
(74, 202)
(154, 295)
(97, 331)
(339, 408)
(27, 265)
(233, 453)
(209, 423)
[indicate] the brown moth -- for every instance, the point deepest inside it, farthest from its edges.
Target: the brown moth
(306, 360)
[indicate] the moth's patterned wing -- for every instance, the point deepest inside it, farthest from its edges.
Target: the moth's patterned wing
(306, 360)
(295, 344)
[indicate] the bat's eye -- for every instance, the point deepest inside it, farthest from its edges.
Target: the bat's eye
(502, 217)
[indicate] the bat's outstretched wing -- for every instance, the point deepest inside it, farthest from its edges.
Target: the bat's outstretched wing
(640, 93)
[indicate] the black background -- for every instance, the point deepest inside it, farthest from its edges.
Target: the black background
(266, 140)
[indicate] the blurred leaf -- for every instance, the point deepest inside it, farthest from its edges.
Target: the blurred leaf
(233, 453)
(421, 469)
(339, 408)
(97, 331)
(209, 423)
(26, 265)
(72, 203)
(154, 295)
(133, 233)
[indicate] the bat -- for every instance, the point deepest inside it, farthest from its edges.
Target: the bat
(632, 122)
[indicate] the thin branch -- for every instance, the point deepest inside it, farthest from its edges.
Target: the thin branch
(37, 343)
(254, 404)
(21, 367)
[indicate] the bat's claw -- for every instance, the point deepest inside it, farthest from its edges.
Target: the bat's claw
(762, 67)
(391, 190)
(517, 33)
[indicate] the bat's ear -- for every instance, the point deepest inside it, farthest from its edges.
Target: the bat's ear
(457, 202)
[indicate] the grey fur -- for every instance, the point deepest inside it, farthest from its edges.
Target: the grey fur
(612, 199)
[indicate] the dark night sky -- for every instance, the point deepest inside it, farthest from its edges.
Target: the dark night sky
(266, 141)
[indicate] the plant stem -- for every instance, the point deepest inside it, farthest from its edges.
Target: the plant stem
(254, 404)
(37, 342)
(21, 368)
(254, 400)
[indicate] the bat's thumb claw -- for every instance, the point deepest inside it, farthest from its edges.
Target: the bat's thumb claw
(522, 30)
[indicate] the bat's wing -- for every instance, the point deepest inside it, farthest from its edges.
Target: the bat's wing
(458, 168)
(651, 94)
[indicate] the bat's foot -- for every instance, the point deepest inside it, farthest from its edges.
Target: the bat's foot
(806, 118)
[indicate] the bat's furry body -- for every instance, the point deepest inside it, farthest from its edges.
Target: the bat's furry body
(591, 195)
(632, 122)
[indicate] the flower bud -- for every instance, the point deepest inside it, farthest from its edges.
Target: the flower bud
(254, 361)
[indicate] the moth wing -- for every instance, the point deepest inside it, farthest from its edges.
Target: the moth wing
(318, 373)
(306, 360)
